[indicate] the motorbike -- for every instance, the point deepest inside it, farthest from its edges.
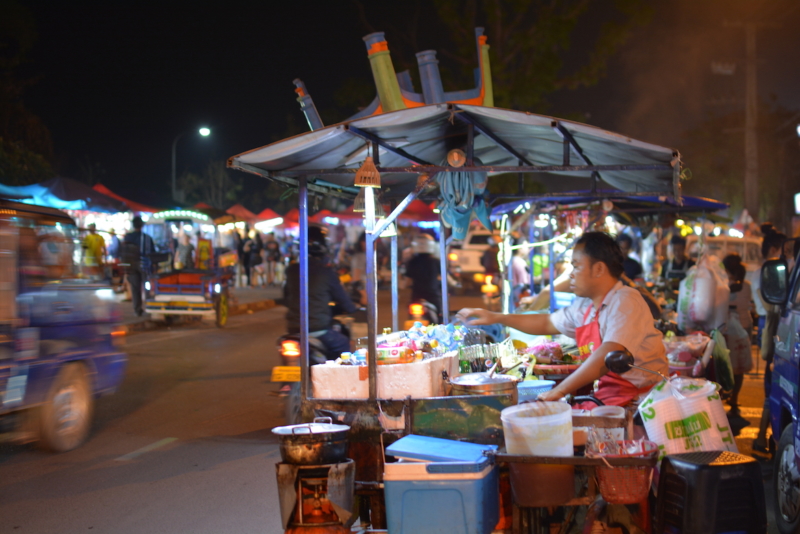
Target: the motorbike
(422, 311)
(288, 373)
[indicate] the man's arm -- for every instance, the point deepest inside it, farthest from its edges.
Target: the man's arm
(536, 324)
(593, 368)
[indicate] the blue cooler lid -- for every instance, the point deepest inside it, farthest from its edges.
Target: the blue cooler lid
(413, 447)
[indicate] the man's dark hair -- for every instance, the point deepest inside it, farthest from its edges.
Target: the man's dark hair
(733, 264)
(625, 238)
(600, 246)
(772, 239)
(677, 240)
(138, 223)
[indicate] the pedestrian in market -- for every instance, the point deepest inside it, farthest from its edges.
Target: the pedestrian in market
(768, 318)
(274, 261)
(248, 244)
(136, 251)
(631, 267)
(184, 254)
(606, 317)
(238, 244)
(738, 327)
(94, 252)
(674, 270)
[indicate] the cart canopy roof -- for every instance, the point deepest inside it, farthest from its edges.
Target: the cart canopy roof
(416, 140)
(645, 204)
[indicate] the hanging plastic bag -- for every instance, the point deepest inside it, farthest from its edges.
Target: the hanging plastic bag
(703, 296)
(686, 415)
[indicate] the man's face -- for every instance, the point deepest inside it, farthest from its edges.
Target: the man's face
(678, 251)
(580, 280)
(625, 248)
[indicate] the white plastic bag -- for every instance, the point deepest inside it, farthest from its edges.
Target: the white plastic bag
(703, 296)
(686, 415)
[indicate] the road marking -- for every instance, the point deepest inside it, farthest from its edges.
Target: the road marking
(751, 412)
(148, 448)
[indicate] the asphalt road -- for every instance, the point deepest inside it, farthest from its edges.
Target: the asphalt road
(185, 444)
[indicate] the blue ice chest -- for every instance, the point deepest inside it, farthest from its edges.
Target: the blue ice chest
(440, 497)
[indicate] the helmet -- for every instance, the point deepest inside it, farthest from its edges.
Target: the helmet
(317, 240)
(425, 244)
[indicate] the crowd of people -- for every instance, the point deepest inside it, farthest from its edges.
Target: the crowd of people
(262, 258)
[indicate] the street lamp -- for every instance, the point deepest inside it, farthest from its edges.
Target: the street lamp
(205, 132)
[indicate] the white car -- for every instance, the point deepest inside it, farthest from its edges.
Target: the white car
(464, 257)
(749, 248)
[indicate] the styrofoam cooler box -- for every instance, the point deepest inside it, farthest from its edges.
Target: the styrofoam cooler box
(438, 497)
(418, 379)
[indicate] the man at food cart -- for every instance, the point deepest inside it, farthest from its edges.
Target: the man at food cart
(606, 317)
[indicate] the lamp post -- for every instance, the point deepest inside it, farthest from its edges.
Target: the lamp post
(204, 132)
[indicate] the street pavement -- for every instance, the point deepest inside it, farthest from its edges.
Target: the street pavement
(185, 444)
(242, 300)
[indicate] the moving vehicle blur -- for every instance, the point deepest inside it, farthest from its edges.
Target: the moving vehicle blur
(58, 336)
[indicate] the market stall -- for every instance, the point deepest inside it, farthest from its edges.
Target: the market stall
(392, 386)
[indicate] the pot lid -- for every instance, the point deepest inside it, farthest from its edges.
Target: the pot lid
(309, 428)
(483, 379)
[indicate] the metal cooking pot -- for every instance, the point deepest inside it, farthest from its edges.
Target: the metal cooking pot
(484, 384)
(316, 443)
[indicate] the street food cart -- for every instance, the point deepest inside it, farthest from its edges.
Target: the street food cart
(404, 147)
(200, 289)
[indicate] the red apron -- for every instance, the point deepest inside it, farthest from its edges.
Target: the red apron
(613, 390)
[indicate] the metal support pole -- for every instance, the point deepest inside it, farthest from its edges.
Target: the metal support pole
(174, 172)
(372, 296)
(470, 144)
(532, 253)
(443, 268)
(395, 296)
(552, 267)
(303, 216)
(751, 124)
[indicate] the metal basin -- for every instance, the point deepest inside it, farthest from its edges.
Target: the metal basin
(483, 384)
(316, 443)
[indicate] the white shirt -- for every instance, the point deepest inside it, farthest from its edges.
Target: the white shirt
(624, 319)
(754, 277)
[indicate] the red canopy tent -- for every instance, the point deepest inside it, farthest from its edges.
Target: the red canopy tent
(317, 217)
(134, 206)
(203, 206)
(291, 219)
(267, 215)
(419, 211)
(242, 213)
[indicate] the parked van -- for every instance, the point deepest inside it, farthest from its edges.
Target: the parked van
(782, 288)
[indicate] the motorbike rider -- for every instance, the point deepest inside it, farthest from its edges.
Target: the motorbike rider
(323, 288)
(424, 271)
(607, 317)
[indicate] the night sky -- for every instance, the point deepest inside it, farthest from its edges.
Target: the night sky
(117, 81)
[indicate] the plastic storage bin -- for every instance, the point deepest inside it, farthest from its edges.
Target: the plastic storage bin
(441, 497)
(529, 390)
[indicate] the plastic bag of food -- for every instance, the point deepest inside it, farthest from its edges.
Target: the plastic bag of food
(546, 352)
(703, 296)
